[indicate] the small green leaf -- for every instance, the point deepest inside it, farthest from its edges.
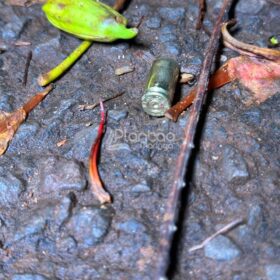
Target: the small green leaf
(88, 19)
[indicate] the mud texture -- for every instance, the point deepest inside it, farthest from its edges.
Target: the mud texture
(52, 226)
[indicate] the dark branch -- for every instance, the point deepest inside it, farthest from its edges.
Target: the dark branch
(170, 217)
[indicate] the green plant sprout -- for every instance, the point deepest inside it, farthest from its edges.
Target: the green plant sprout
(86, 19)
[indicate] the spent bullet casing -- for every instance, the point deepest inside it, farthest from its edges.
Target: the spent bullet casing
(160, 87)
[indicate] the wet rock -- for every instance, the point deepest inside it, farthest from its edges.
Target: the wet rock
(47, 52)
(6, 102)
(46, 246)
(82, 143)
(25, 137)
(10, 189)
(272, 271)
(13, 28)
(167, 37)
(66, 245)
(29, 277)
(89, 226)
(58, 174)
(252, 116)
(131, 226)
(63, 209)
(172, 48)
(51, 213)
(117, 115)
(78, 272)
(250, 6)
(234, 167)
(153, 22)
(221, 249)
(172, 14)
(141, 187)
(257, 222)
(33, 225)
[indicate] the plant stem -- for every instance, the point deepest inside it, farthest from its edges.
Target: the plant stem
(52, 75)
(171, 213)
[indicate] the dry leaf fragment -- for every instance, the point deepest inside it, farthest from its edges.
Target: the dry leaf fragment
(61, 143)
(260, 76)
(124, 70)
(10, 122)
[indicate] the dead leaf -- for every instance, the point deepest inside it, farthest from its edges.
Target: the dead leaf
(9, 123)
(61, 143)
(260, 76)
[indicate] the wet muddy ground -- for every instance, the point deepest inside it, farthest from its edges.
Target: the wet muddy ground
(52, 226)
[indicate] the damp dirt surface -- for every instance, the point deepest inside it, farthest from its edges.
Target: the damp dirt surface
(51, 224)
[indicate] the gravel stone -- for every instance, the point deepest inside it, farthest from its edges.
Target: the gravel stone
(153, 22)
(250, 6)
(252, 116)
(173, 15)
(10, 189)
(272, 271)
(117, 115)
(234, 167)
(131, 226)
(34, 225)
(29, 277)
(141, 187)
(172, 48)
(221, 249)
(59, 174)
(89, 226)
(82, 143)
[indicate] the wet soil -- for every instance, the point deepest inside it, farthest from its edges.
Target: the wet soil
(52, 226)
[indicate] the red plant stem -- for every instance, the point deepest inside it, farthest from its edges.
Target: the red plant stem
(220, 78)
(171, 213)
(96, 183)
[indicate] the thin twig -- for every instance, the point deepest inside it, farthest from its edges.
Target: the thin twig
(170, 216)
(202, 10)
(26, 69)
(244, 48)
(83, 107)
(224, 229)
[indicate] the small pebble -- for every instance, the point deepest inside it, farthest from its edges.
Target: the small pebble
(234, 167)
(141, 187)
(10, 189)
(117, 115)
(29, 277)
(89, 226)
(172, 14)
(272, 271)
(124, 70)
(131, 226)
(58, 174)
(153, 22)
(221, 249)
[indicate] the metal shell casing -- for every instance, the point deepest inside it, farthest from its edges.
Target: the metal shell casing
(160, 87)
